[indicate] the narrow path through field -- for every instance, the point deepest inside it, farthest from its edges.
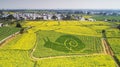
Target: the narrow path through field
(8, 39)
(108, 50)
(52, 57)
(31, 54)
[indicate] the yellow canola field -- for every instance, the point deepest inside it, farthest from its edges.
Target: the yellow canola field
(70, 27)
(25, 41)
(84, 61)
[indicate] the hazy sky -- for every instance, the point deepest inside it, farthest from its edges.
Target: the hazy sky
(58, 4)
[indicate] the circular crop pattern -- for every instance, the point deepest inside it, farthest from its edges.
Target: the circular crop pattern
(71, 42)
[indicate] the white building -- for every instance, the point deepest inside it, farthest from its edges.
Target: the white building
(44, 17)
(1, 24)
(90, 19)
(82, 19)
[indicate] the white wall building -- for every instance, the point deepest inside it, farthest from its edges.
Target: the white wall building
(1, 24)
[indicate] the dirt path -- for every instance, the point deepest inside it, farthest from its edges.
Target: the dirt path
(108, 50)
(67, 56)
(31, 54)
(8, 39)
(52, 57)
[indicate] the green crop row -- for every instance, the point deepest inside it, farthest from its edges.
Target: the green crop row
(51, 43)
(6, 31)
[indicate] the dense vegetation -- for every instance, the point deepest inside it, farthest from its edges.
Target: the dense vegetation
(6, 31)
(51, 43)
(115, 44)
(112, 18)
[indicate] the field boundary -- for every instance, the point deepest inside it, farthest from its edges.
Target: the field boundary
(106, 47)
(9, 37)
(108, 50)
(67, 56)
(64, 56)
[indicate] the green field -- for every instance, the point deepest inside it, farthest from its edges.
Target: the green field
(115, 44)
(6, 31)
(51, 43)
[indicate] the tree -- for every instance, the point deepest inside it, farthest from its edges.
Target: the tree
(10, 17)
(18, 25)
(22, 30)
(118, 27)
(54, 17)
(103, 33)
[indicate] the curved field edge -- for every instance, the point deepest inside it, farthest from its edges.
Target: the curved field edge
(22, 41)
(7, 31)
(83, 61)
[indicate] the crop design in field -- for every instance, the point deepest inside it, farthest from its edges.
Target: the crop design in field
(66, 42)
(52, 43)
(71, 42)
(64, 38)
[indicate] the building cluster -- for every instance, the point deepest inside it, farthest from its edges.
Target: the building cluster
(44, 16)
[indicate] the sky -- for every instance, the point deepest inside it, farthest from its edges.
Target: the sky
(59, 4)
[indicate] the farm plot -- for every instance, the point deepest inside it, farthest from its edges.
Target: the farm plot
(113, 33)
(51, 43)
(6, 31)
(70, 27)
(83, 61)
(23, 42)
(115, 44)
(78, 43)
(15, 58)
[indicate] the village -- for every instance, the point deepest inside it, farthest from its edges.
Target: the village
(92, 15)
(43, 16)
